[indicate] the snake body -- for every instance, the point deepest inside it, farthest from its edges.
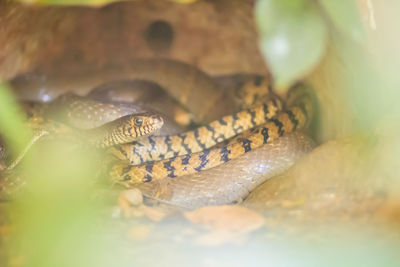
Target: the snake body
(145, 96)
(206, 98)
(184, 82)
(294, 118)
(234, 180)
(153, 148)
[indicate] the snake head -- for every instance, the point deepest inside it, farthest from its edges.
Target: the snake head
(142, 124)
(125, 129)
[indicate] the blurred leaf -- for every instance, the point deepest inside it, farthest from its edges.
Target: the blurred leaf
(346, 17)
(12, 128)
(55, 215)
(293, 38)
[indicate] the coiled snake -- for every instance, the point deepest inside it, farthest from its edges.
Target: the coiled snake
(273, 127)
(190, 153)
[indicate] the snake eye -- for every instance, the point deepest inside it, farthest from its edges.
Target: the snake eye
(138, 121)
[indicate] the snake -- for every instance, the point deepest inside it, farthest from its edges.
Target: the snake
(205, 97)
(233, 181)
(295, 117)
(286, 121)
(153, 148)
(145, 96)
(124, 129)
(86, 121)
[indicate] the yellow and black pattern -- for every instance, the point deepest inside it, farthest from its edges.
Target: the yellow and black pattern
(287, 121)
(154, 148)
(253, 90)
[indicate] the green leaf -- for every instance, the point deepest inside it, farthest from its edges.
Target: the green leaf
(293, 38)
